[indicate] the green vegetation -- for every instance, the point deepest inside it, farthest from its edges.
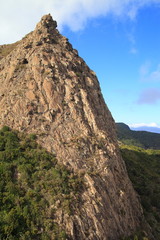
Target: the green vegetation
(144, 171)
(146, 140)
(32, 187)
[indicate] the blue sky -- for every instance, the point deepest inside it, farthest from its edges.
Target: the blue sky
(118, 39)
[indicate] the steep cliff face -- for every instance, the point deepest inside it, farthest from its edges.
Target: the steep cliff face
(47, 89)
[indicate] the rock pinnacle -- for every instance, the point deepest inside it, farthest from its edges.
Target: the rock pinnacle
(48, 90)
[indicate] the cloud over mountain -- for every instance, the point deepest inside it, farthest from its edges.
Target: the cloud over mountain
(14, 15)
(138, 125)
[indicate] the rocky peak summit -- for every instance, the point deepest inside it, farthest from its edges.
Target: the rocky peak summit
(46, 22)
(47, 89)
(46, 27)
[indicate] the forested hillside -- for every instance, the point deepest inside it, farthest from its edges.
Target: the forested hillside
(143, 167)
(146, 140)
(34, 189)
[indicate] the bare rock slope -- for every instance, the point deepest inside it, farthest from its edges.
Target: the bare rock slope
(47, 89)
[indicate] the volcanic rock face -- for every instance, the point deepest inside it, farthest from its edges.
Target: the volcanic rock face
(47, 89)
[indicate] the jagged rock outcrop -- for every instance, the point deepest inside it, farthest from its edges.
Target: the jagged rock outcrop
(47, 89)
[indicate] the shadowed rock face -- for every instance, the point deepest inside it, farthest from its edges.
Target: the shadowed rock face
(47, 89)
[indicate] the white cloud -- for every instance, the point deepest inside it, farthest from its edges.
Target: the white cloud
(149, 127)
(145, 69)
(146, 74)
(133, 50)
(138, 125)
(18, 17)
(132, 40)
(155, 75)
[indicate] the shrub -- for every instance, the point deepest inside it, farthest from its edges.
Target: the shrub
(31, 182)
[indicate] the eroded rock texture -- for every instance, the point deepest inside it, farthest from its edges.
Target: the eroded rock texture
(47, 89)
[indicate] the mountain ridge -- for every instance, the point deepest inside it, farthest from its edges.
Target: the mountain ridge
(147, 129)
(48, 90)
(142, 139)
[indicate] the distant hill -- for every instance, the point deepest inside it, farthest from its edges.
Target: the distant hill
(141, 152)
(145, 128)
(144, 139)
